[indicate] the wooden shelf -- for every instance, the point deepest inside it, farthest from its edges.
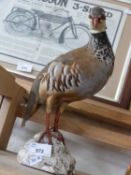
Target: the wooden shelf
(10, 166)
(105, 134)
(103, 112)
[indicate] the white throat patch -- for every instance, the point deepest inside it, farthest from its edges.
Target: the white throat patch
(97, 31)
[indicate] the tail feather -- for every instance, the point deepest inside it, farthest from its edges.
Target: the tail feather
(30, 107)
(32, 103)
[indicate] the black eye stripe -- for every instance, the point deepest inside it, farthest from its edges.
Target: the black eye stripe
(102, 17)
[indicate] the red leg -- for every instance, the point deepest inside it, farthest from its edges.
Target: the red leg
(56, 126)
(58, 113)
(56, 121)
(47, 131)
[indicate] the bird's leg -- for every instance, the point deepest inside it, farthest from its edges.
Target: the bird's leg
(49, 108)
(56, 125)
(56, 120)
(59, 111)
(47, 131)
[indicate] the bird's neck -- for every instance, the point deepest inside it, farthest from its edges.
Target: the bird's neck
(99, 39)
(101, 47)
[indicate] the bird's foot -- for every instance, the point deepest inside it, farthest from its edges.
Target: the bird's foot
(58, 135)
(45, 137)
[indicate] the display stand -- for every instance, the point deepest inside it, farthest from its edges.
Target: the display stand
(54, 158)
(9, 166)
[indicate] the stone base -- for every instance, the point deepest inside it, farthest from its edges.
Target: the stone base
(60, 162)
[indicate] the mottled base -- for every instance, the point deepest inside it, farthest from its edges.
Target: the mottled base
(60, 163)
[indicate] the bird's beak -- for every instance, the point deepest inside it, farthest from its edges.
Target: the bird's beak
(95, 22)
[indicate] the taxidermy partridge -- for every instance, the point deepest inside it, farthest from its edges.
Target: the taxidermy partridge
(73, 76)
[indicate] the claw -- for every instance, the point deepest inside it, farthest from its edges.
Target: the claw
(46, 134)
(61, 138)
(58, 135)
(49, 134)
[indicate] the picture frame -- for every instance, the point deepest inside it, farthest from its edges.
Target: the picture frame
(125, 1)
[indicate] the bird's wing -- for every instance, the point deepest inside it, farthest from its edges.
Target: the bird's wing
(60, 76)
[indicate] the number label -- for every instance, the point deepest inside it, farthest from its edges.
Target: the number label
(41, 149)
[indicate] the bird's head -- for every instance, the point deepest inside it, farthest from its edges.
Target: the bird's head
(97, 20)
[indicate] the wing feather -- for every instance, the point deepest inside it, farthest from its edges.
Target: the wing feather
(61, 77)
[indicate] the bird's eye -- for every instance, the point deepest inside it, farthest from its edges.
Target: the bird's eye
(99, 19)
(103, 17)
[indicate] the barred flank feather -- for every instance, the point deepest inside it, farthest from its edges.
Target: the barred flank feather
(60, 77)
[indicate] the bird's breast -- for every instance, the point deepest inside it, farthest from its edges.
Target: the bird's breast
(94, 79)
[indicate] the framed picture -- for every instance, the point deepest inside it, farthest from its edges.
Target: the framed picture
(125, 1)
(122, 91)
(33, 33)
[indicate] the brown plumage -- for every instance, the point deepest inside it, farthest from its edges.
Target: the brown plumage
(76, 75)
